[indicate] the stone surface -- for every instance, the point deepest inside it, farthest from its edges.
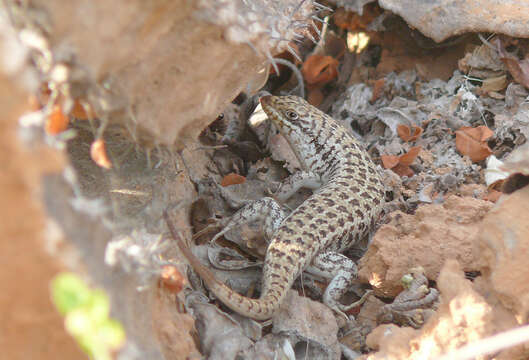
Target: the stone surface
(502, 248)
(435, 233)
(441, 19)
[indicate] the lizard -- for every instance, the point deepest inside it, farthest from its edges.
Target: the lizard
(348, 196)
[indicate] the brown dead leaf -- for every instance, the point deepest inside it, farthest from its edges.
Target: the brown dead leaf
(403, 170)
(232, 179)
(494, 84)
(82, 110)
(98, 153)
(171, 279)
(389, 161)
(519, 69)
(407, 134)
(319, 69)
(401, 164)
(473, 142)
(352, 21)
(378, 87)
(57, 121)
(408, 158)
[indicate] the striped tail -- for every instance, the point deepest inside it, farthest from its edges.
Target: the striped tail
(258, 309)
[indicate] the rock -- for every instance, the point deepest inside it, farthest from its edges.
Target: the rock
(305, 321)
(502, 248)
(435, 233)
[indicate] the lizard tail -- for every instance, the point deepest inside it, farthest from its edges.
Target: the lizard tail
(258, 309)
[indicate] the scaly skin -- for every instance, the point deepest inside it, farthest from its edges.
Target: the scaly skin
(337, 215)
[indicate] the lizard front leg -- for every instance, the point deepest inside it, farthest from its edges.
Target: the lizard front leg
(265, 209)
(342, 271)
(296, 181)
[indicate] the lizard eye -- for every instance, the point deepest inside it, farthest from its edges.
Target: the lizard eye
(292, 115)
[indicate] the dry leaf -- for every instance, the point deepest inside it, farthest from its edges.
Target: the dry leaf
(408, 158)
(519, 69)
(232, 179)
(401, 164)
(494, 84)
(82, 110)
(98, 153)
(350, 20)
(57, 121)
(473, 142)
(407, 134)
(172, 279)
(389, 161)
(319, 69)
(378, 87)
(403, 170)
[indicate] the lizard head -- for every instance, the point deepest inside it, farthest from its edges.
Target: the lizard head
(296, 120)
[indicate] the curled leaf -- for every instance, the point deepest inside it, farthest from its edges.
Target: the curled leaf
(389, 161)
(473, 142)
(82, 110)
(57, 121)
(378, 87)
(98, 153)
(494, 84)
(401, 164)
(410, 156)
(232, 179)
(319, 69)
(409, 134)
(519, 69)
(172, 279)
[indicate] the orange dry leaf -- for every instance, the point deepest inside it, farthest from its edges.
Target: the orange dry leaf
(172, 279)
(401, 164)
(82, 110)
(319, 69)
(99, 154)
(410, 156)
(403, 170)
(232, 179)
(408, 134)
(57, 121)
(473, 142)
(389, 161)
(494, 84)
(377, 89)
(352, 21)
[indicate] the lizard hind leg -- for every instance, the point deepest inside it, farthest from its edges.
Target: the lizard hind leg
(342, 271)
(266, 210)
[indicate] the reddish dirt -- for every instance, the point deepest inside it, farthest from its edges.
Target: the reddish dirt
(30, 327)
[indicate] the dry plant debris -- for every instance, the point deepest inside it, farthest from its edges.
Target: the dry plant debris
(473, 142)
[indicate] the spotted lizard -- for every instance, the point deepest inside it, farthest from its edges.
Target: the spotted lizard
(347, 200)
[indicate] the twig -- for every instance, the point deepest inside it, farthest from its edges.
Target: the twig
(489, 345)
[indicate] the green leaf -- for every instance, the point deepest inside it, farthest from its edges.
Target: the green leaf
(68, 292)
